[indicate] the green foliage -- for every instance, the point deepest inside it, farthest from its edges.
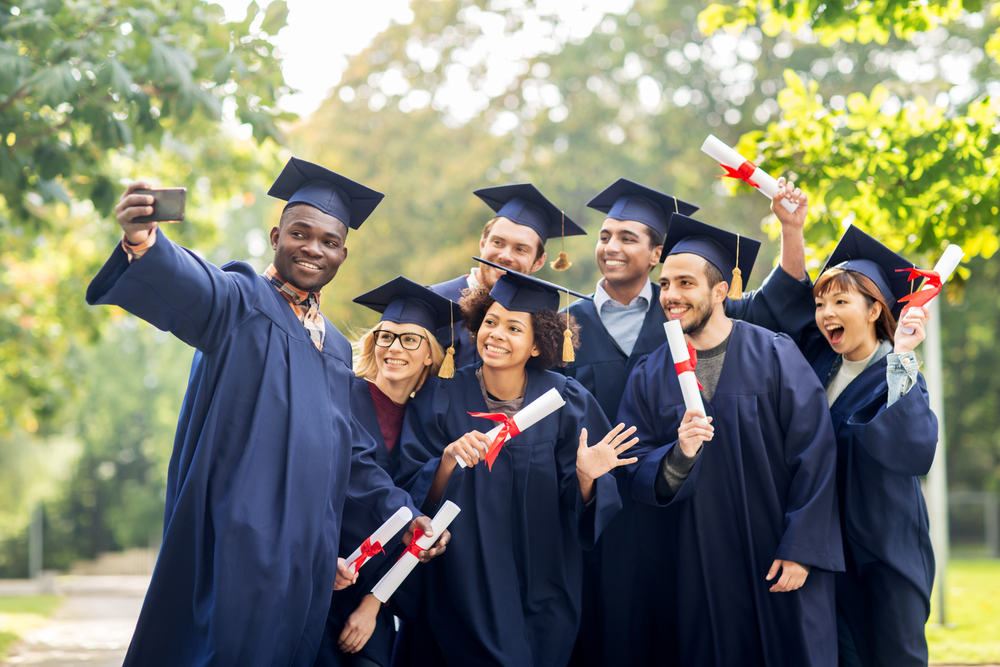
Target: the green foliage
(917, 179)
(866, 21)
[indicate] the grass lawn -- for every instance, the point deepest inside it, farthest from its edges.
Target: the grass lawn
(19, 614)
(974, 609)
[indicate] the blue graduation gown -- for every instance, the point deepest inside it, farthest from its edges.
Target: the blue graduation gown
(881, 452)
(465, 349)
(507, 590)
(763, 488)
(378, 648)
(261, 466)
(624, 619)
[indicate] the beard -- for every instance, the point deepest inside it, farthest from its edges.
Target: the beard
(700, 315)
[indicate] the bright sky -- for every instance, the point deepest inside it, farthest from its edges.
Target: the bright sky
(321, 34)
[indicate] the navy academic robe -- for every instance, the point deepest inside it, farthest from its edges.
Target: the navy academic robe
(378, 648)
(261, 466)
(507, 590)
(465, 349)
(881, 452)
(623, 617)
(763, 488)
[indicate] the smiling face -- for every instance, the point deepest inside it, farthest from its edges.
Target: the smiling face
(623, 252)
(397, 364)
(847, 319)
(308, 247)
(512, 245)
(685, 293)
(506, 338)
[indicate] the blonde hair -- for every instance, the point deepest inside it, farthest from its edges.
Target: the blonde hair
(365, 365)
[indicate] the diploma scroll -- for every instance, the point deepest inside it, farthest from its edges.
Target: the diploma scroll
(945, 266)
(679, 352)
(394, 577)
(379, 538)
(739, 167)
(538, 409)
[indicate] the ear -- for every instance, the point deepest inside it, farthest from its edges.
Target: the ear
(275, 233)
(539, 264)
(655, 259)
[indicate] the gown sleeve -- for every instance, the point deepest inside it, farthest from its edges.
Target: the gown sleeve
(782, 304)
(656, 438)
(371, 495)
(175, 290)
(582, 412)
(812, 524)
(902, 437)
(422, 441)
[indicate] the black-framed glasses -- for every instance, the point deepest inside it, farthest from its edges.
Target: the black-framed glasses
(409, 341)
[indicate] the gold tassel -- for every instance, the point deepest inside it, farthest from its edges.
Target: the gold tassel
(448, 365)
(562, 261)
(569, 354)
(736, 289)
(447, 369)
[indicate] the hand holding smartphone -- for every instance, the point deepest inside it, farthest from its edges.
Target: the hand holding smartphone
(168, 205)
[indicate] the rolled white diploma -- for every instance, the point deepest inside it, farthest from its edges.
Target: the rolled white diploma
(533, 412)
(385, 532)
(725, 155)
(945, 266)
(388, 584)
(679, 352)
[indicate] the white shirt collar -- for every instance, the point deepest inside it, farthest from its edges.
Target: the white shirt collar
(601, 296)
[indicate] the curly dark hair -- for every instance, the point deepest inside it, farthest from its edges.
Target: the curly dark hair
(548, 326)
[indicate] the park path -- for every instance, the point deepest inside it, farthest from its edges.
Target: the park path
(93, 626)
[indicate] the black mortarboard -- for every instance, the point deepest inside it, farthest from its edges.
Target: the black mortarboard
(335, 195)
(524, 293)
(628, 200)
(524, 204)
(857, 251)
(405, 302)
(731, 253)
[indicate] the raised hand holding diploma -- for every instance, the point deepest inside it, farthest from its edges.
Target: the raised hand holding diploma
(592, 462)
(742, 169)
(379, 538)
(936, 279)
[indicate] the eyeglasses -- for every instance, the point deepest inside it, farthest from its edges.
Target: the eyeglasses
(409, 341)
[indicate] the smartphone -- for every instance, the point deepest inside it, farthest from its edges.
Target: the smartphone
(168, 205)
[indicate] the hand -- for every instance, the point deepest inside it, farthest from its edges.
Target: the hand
(471, 448)
(693, 432)
(132, 206)
(344, 575)
(793, 575)
(360, 625)
(424, 523)
(592, 462)
(912, 318)
(790, 221)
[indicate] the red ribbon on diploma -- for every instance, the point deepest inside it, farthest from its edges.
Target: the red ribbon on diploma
(413, 547)
(367, 551)
(922, 296)
(685, 366)
(743, 173)
(509, 430)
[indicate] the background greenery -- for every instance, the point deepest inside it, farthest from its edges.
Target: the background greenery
(886, 113)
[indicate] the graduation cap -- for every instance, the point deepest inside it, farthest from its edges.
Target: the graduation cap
(628, 200)
(335, 195)
(857, 251)
(405, 302)
(527, 294)
(523, 204)
(730, 253)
